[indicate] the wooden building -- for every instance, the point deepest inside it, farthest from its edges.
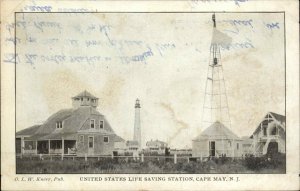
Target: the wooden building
(269, 136)
(156, 146)
(216, 141)
(81, 130)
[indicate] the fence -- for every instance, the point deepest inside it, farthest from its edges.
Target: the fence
(141, 158)
(119, 159)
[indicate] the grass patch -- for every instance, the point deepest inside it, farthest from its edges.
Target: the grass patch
(250, 164)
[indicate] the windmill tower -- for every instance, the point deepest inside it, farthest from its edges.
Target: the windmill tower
(215, 107)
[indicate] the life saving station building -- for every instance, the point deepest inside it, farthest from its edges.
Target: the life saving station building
(79, 131)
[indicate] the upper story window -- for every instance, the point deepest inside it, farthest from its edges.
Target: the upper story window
(92, 123)
(58, 124)
(274, 131)
(101, 124)
(265, 131)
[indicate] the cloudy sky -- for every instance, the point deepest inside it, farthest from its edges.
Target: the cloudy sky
(160, 58)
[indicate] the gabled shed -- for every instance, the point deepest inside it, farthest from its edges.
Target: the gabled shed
(216, 141)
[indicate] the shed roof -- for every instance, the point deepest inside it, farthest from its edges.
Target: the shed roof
(217, 131)
(59, 136)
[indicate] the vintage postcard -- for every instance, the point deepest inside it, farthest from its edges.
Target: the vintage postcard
(200, 96)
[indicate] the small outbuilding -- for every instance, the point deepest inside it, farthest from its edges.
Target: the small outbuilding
(216, 141)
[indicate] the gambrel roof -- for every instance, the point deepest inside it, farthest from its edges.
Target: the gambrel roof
(72, 120)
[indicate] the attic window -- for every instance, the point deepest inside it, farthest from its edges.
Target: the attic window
(92, 123)
(58, 124)
(101, 124)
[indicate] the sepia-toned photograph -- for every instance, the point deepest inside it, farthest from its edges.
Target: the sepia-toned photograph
(150, 93)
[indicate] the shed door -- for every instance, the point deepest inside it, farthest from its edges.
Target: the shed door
(212, 148)
(91, 146)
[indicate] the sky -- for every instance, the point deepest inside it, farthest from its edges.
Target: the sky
(160, 58)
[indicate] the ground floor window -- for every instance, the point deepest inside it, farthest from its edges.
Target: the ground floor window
(81, 139)
(105, 139)
(91, 142)
(29, 145)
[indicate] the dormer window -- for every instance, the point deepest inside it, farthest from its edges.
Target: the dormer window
(88, 99)
(58, 124)
(101, 124)
(92, 123)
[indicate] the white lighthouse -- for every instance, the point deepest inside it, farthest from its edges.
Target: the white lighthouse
(137, 124)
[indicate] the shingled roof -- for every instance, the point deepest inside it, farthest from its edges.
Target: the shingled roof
(28, 131)
(73, 120)
(276, 116)
(217, 131)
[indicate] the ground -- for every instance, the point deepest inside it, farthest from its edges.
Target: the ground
(158, 166)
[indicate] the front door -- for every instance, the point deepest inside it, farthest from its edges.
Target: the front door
(212, 148)
(91, 146)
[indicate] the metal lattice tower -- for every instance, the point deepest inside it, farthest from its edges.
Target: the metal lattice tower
(215, 107)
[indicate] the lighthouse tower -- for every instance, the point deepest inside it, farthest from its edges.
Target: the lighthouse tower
(137, 123)
(215, 107)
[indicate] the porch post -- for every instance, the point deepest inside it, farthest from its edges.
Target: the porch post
(36, 147)
(62, 146)
(22, 146)
(233, 146)
(175, 158)
(49, 146)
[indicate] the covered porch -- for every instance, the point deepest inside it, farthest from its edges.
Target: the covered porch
(58, 147)
(54, 144)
